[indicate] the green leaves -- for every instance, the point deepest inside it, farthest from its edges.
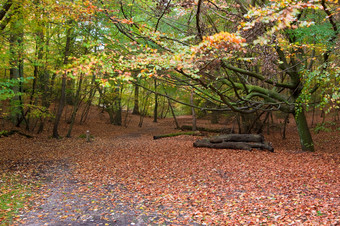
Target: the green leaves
(6, 87)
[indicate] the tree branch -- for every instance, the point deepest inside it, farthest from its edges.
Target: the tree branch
(257, 76)
(198, 13)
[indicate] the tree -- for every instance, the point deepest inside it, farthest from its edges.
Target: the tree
(264, 64)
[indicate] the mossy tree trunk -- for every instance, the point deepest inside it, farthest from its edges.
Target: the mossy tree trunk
(303, 130)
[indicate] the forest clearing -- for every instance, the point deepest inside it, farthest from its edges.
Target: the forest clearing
(124, 177)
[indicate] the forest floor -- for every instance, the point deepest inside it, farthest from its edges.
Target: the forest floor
(124, 177)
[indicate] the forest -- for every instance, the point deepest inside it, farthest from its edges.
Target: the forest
(169, 112)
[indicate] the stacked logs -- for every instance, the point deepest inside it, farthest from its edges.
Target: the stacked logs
(235, 141)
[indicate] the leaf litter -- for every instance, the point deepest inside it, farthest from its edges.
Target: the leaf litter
(124, 177)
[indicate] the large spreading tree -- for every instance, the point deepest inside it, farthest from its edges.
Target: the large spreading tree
(248, 56)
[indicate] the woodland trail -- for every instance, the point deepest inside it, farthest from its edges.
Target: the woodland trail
(66, 201)
(124, 177)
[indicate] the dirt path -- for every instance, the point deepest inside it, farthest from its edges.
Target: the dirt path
(66, 201)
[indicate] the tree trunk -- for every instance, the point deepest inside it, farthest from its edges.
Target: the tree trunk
(155, 110)
(6, 14)
(60, 108)
(135, 110)
(70, 83)
(16, 71)
(304, 132)
(173, 114)
(75, 108)
(117, 120)
(286, 120)
(89, 101)
(63, 85)
(194, 124)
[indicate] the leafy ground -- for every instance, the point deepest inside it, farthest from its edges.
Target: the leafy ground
(124, 177)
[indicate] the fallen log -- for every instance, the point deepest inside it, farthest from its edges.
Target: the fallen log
(197, 133)
(235, 141)
(224, 145)
(238, 138)
(264, 146)
(5, 133)
(203, 129)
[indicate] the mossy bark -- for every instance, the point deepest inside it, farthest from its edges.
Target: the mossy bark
(306, 139)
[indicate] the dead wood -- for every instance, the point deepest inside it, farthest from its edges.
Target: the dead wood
(235, 141)
(11, 132)
(203, 129)
(264, 146)
(224, 145)
(196, 133)
(238, 138)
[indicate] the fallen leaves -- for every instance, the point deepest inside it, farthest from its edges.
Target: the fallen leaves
(167, 181)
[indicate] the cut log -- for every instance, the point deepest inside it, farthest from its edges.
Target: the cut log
(197, 133)
(264, 146)
(202, 129)
(224, 145)
(235, 141)
(258, 138)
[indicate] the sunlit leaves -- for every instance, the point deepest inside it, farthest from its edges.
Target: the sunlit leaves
(278, 15)
(223, 40)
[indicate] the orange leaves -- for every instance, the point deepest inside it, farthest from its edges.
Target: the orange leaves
(218, 46)
(224, 37)
(125, 21)
(222, 40)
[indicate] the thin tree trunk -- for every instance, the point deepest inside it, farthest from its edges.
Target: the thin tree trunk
(155, 110)
(75, 108)
(16, 63)
(21, 115)
(89, 101)
(173, 115)
(60, 107)
(63, 86)
(285, 126)
(194, 120)
(117, 120)
(135, 110)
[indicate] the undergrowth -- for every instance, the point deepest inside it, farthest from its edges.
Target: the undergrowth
(325, 126)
